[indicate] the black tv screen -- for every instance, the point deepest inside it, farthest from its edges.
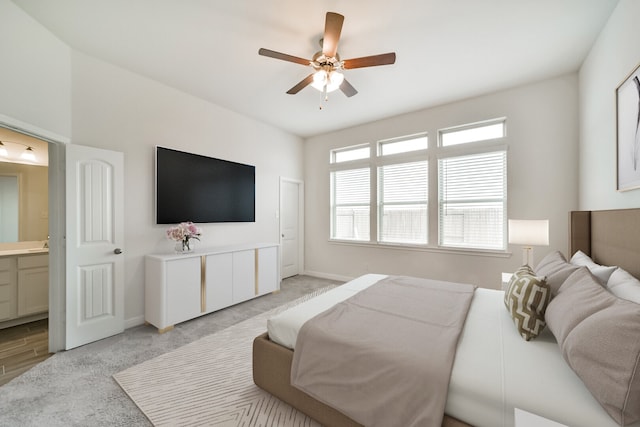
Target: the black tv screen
(191, 187)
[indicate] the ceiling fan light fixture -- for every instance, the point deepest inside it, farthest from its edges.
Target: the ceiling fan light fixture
(336, 78)
(331, 79)
(327, 63)
(319, 79)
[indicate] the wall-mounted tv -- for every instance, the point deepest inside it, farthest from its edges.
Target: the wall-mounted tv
(191, 187)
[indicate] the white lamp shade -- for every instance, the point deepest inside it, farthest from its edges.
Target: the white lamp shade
(332, 80)
(529, 232)
(319, 79)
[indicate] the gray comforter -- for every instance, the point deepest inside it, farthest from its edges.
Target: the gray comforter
(384, 356)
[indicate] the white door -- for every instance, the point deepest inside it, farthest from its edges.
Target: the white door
(290, 225)
(94, 242)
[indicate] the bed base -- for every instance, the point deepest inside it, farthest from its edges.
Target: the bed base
(272, 373)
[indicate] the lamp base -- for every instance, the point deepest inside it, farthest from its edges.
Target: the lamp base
(527, 256)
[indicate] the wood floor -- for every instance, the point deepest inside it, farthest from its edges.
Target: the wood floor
(22, 347)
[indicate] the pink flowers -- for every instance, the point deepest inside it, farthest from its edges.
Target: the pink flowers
(183, 232)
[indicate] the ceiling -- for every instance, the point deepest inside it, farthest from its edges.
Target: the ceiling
(446, 49)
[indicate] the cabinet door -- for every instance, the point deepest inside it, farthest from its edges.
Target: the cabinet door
(8, 309)
(183, 290)
(33, 291)
(219, 282)
(268, 280)
(8, 288)
(244, 275)
(7, 297)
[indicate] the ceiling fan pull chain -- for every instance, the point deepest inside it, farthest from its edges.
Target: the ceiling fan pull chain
(324, 95)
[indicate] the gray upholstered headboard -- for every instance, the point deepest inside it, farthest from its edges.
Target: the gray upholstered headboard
(610, 237)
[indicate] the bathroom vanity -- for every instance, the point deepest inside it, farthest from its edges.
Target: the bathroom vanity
(24, 285)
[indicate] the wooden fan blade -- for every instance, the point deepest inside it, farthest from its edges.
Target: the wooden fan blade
(304, 83)
(370, 61)
(347, 89)
(332, 30)
(283, 56)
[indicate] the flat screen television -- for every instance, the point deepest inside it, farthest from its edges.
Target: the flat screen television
(191, 187)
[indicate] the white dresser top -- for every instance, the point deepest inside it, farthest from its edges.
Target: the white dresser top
(211, 250)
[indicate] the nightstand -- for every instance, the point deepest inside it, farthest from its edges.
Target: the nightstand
(505, 280)
(527, 419)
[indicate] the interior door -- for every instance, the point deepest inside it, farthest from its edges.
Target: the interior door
(290, 227)
(94, 241)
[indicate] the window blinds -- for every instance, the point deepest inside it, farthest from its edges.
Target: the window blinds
(472, 200)
(351, 197)
(402, 203)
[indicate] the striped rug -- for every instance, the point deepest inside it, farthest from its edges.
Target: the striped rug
(209, 382)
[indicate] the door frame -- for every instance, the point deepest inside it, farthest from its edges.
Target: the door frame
(300, 185)
(57, 231)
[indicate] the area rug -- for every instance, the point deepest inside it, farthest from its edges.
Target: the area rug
(209, 382)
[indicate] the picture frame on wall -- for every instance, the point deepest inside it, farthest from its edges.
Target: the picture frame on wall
(628, 132)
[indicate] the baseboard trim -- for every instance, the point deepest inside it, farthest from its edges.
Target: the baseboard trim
(22, 320)
(133, 321)
(327, 276)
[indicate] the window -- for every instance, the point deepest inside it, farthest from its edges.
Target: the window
(350, 153)
(402, 203)
(472, 133)
(403, 145)
(396, 176)
(351, 193)
(472, 187)
(472, 200)
(380, 191)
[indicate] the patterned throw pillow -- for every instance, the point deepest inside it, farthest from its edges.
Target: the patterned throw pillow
(526, 299)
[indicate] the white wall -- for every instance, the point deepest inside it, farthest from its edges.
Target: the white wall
(118, 110)
(49, 87)
(614, 55)
(542, 126)
(35, 73)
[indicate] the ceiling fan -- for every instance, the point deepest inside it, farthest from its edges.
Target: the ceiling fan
(327, 75)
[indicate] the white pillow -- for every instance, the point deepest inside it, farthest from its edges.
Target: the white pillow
(601, 272)
(624, 285)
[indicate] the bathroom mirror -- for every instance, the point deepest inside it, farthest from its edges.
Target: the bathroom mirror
(24, 202)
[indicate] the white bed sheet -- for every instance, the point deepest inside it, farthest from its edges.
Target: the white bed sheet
(283, 328)
(495, 370)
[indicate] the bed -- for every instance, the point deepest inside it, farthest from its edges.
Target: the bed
(487, 379)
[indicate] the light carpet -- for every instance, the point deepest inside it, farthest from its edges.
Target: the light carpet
(209, 382)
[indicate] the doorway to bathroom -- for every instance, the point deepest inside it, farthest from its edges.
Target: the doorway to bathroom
(24, 253)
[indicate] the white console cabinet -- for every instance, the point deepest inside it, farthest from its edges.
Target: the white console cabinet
(179, 287)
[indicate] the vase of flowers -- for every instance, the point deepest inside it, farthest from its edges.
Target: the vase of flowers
(182, 235)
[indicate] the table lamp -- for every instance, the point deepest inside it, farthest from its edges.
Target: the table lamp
(529, 233)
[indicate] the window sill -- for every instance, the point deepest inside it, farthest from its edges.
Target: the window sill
(419, 248)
